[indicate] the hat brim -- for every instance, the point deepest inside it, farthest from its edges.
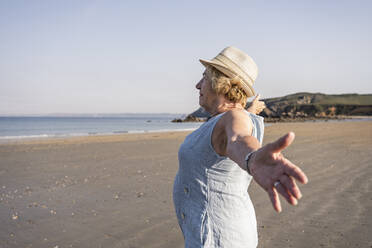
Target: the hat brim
(222, 68)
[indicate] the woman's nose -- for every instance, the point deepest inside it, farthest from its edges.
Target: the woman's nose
(198, 85)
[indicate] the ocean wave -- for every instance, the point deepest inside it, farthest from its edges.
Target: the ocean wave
(25, 136)
(37, 136)
(162, 130)
(120, 132)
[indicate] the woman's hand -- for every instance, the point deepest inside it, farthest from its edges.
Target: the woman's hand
(256, 106)
(274, 173)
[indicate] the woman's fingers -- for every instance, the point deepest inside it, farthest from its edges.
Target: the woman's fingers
(283, 190)
(274, 197)
(261, 106)
(290, 185)
(294, 171)
(257, 98)
(281, 143)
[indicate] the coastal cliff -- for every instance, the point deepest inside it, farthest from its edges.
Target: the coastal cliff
(305, 106)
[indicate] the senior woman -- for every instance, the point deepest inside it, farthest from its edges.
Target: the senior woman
(218, 161)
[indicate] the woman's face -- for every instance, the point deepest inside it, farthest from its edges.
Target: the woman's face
(208, 98)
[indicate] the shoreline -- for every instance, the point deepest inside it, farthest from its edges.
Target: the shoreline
(54, 138)
(318, 119)
(97, 138)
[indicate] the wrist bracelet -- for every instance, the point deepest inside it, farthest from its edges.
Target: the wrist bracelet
(247, 158)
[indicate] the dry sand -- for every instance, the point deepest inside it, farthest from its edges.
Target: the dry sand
(115, 191)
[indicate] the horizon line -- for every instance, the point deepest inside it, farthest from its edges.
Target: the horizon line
(66, 114)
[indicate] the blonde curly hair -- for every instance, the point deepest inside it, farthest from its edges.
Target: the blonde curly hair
(230, 88)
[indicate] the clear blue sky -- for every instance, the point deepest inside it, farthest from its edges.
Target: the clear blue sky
(142, 56)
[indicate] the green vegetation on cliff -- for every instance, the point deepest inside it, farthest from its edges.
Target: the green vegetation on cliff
(317, 105)
(319, 98)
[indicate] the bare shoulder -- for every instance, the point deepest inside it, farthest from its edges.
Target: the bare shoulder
(232, 124)
(237, 121)
(236, 116)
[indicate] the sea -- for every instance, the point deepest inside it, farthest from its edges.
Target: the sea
(31, 127)
(36, 127)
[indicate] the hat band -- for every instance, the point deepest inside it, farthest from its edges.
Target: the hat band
(235, 68)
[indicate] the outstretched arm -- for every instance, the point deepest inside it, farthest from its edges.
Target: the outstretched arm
(269, 168)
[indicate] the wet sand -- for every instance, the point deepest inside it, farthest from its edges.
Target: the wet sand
(115, 191)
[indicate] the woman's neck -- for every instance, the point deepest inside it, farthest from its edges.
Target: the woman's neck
(226, 106)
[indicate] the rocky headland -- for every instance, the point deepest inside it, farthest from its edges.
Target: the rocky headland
(305, 106)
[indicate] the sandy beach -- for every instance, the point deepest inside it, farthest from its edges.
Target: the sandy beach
(116, 191)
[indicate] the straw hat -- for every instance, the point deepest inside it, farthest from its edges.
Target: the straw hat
(235, 63)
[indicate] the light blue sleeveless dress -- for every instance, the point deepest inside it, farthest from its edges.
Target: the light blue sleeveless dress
(210, 195)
